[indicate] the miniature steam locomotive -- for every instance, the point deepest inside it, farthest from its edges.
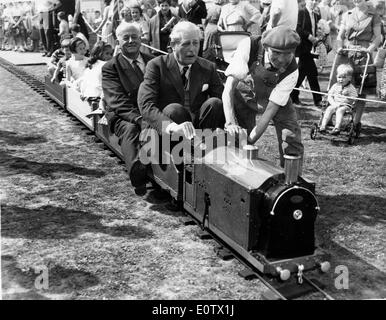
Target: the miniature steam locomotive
(265, 214)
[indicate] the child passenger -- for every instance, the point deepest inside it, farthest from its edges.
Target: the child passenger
(60, 65)
(76, 65)
(342, 103)
(91, 81)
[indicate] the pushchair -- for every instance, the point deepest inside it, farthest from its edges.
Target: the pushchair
(224, 44)
(359, 79)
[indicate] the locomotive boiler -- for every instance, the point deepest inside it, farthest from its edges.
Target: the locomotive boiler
(264, 213)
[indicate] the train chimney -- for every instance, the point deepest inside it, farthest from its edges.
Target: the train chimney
(292, 168)
(252, 152)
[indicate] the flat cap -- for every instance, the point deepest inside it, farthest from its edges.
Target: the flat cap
(281, 38)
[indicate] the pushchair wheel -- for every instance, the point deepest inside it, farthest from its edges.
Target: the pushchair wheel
(357, 129)
(313, 132)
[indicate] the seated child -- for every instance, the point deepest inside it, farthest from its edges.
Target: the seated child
(91, 81)
(76, 65)
(342, 103)
(59, 58)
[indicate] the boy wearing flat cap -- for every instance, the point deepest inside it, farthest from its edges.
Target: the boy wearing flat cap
(273, 82)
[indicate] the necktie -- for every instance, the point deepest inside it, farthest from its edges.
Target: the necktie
(185, 82)
(137, 70)
(184, 77)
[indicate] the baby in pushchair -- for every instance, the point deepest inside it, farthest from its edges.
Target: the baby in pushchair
(339, 101)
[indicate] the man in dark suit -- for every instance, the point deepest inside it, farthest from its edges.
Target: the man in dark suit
(121, 78)
(306, 28)
(182, 91)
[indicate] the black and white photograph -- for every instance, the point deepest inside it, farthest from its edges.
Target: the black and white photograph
(193, 158)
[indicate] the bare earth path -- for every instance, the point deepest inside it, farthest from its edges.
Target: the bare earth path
(67, 208)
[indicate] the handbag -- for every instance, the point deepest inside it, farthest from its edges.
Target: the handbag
(379, 60)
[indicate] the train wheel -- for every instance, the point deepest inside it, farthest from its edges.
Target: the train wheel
(313, 132)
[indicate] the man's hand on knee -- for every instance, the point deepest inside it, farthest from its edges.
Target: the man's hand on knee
(186, 129)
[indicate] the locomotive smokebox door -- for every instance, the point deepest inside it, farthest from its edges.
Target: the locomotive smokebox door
(288, 227)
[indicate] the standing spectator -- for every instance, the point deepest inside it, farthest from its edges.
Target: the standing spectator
(136, 15)
(97, 19)
(337, 11)
(64, 29)
(283, 13)
(265, 15)
(107, 25)
(361, 27)
(75, 30)
(193, 11)
(211, 32)
(238, 16)
(125, 15)
(2, 33)
(306, 28)
(78, 19)
(325, 10)
(161, 25)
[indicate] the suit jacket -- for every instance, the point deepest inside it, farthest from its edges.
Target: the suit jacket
(154, 30)
(195, 14)
(163, 85)
(120, 88)
(304, 29)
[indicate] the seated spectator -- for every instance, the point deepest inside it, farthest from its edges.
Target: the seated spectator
(63, 51)
(161, 25)
(75, 30)
(60, 61)
(338, 104)
(76, 65)
(91, 81)
(121, 78)
(238, 16)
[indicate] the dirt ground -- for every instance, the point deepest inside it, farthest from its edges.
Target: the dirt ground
(67, 209)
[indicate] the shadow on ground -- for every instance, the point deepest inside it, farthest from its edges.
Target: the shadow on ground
(13, 138)
(44, 169)
(49, 222)
(365, 280)
(28, 284)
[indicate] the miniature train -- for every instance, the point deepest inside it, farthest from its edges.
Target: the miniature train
(264, 213)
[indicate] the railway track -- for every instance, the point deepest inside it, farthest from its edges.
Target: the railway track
(301, 287)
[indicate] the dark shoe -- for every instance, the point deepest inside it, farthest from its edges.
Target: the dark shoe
(141, 190)
(335, 132)
(138, 175)
(160, 194)
(323, 131)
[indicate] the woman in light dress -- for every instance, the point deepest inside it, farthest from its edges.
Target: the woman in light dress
(107, 25)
